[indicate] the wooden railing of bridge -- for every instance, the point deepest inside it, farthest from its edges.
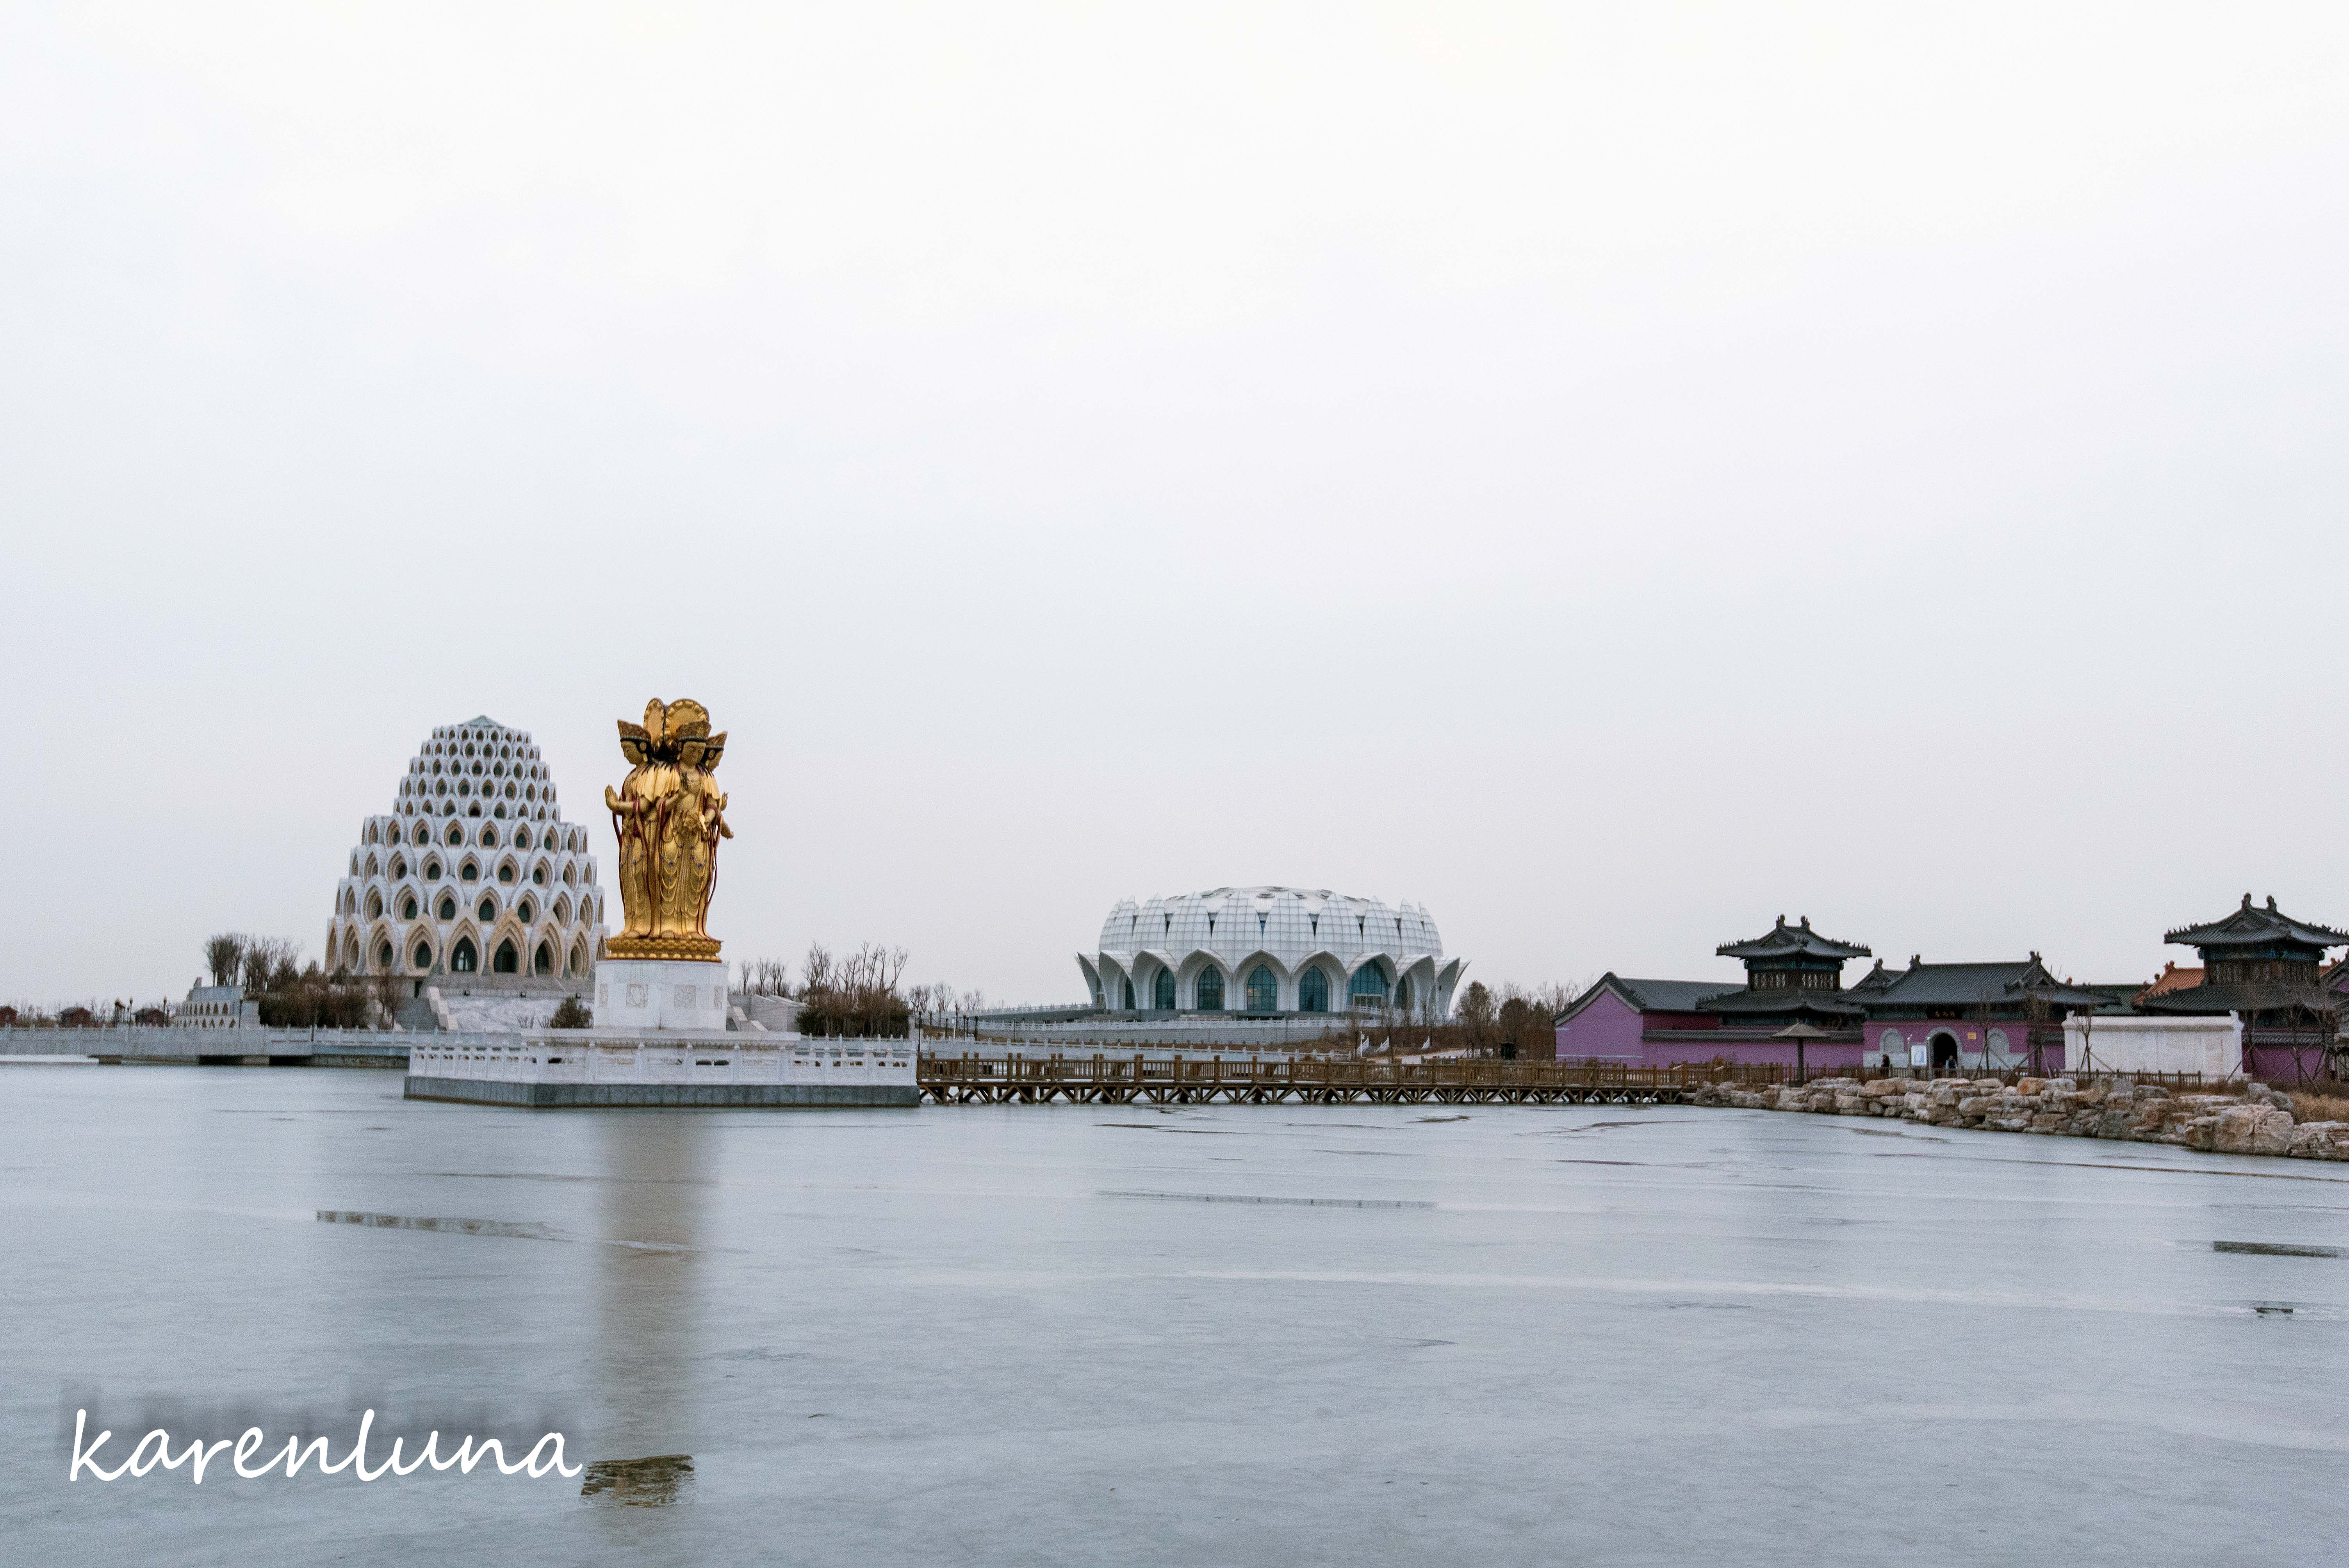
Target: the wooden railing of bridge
(975, 1079)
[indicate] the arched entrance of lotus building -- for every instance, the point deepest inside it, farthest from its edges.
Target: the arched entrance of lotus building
(1943, 1052)
(1313, 991)
(1262, 991)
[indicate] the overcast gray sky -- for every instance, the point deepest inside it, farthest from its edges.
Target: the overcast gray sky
(1611, 474)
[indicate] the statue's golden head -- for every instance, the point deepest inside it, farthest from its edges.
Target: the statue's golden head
(676, 732)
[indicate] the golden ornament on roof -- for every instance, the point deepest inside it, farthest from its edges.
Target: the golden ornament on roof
(669, 815)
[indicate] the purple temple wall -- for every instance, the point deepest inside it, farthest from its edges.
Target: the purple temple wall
(1819, 1056)
(1607, 1028)
(1972, 1035)
(2284, 1064)
(2006, 1039)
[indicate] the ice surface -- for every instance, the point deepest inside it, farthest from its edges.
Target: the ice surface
(1529, 1336)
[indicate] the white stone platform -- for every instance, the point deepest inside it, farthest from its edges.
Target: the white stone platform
(616, 1067)
(660, 994)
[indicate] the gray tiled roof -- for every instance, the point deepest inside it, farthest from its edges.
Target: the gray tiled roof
(1650, 995)
(2247, 996)
(1792, 1003)
(1956, 985)
(1673, 995)
(2252, 927)
(1875, 982)
(2002, 984)
(1784, 941)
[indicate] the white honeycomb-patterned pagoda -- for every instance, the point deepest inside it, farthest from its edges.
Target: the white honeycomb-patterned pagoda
(473, 874)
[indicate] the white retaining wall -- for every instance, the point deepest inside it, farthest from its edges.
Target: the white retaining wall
(2211, 1046)
(677, 1056)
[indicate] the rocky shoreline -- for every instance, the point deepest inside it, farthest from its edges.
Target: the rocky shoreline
(2257, 1121)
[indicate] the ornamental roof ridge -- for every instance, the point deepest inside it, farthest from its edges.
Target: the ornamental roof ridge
(1784, 941)
(2251, 924)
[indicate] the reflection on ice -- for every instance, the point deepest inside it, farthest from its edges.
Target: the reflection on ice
(652, 1482)
(2278, 1249)
(1300, 1203)
(424, 1222)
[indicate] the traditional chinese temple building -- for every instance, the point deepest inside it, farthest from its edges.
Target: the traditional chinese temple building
(2269, 969)
(1795, 1008)
(1642, 1021)
(1952, 1017)
(1793, 978)
(2259, 964)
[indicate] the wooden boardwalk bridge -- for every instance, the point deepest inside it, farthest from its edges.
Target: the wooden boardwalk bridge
(975, 1079)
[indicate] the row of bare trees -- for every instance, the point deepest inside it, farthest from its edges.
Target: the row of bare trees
(856, 995)
(95, 1013)
(1515, 1022)
(295, 995)
(852, 995)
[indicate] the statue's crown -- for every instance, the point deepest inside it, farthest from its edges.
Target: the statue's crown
(676, 732)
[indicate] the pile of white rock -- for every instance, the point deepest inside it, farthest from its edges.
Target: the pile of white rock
(2257, 1121)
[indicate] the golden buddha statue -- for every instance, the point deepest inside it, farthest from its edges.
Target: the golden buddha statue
(669, 815)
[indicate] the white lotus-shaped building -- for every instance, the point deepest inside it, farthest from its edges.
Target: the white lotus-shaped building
(474, 872)
(1269, 950)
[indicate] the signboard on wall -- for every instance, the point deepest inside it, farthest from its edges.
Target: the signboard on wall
(1916, 1055)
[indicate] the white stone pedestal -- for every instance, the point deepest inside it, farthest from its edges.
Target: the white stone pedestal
(633, 994)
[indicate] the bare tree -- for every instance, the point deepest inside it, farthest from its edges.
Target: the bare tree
(937, 997)
(855, 996)
(223, 956)
(1476, 1010)
(389, 990)
(766, 977)
(1522, 1026)
(270, 963)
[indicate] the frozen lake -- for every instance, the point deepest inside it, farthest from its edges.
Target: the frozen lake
(988, 1335)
